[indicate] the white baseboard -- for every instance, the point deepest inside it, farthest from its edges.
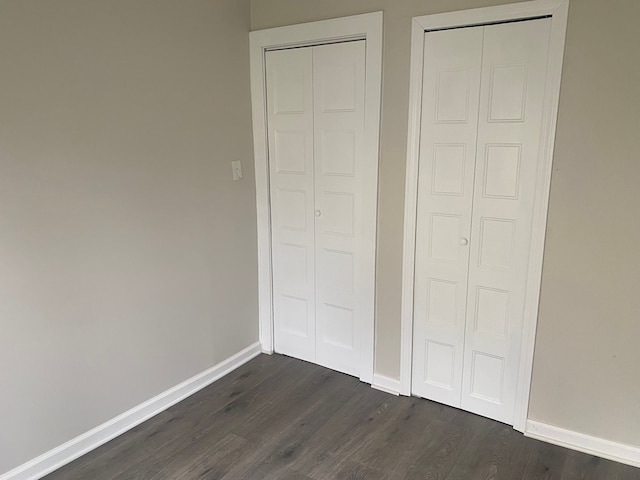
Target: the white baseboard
(384, 384)
(69, 451)
(618, 452)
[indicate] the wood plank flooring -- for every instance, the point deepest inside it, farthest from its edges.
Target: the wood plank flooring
(278, 418)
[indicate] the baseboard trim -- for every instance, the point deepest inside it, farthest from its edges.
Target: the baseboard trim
(618, 452)
(69, 451)
(384, 384)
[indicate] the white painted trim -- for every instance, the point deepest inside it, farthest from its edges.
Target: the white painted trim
(540, 209)
(368, 27)
(618, 452)
(386, 384)
(411, 206)
(558, 10)
(69, 451)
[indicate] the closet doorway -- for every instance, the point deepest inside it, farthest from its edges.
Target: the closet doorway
(316, 107)
(485, 89)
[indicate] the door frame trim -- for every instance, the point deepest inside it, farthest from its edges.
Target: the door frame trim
(366, 27)
(558, 11)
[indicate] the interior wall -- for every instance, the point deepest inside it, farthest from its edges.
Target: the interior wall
(127, 254)
(585, 367)
(585, 373)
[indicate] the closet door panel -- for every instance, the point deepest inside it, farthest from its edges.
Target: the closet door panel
(338, 154)
(511, 101)
(451, 86)
(290, 139)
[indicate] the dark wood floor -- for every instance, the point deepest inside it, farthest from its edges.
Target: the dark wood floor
(278, 418)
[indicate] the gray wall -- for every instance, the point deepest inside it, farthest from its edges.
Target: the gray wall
(127, 253)
(586, 363)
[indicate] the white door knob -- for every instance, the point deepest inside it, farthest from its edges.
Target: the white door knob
(464, 241)
(318, 213)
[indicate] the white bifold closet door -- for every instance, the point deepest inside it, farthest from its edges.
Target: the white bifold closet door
(315, 103)
(482, 98)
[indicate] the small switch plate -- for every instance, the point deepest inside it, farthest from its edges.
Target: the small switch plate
(236, 169)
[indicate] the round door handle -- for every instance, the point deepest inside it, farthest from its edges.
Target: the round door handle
(464, 241)
(318, 213)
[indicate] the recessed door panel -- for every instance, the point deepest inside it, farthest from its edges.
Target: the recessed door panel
(452, 95)
(293, 316)
(487, 377)
(340, 266)
(292, 206)
(337, 210)
(439, 368)
(502, 171)
(340, 79)
(495, 243)
(288, 84)
(442, 298)
(292, 263)
(290, 148)
(338, 327)
(445, 233)
(448, 169)
(491, 310)
(507, 92)
(339, 148)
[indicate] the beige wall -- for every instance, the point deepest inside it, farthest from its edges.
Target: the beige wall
(127, 253)
(586, 364)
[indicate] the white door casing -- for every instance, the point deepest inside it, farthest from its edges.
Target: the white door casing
(556, 10)
(366, 27)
